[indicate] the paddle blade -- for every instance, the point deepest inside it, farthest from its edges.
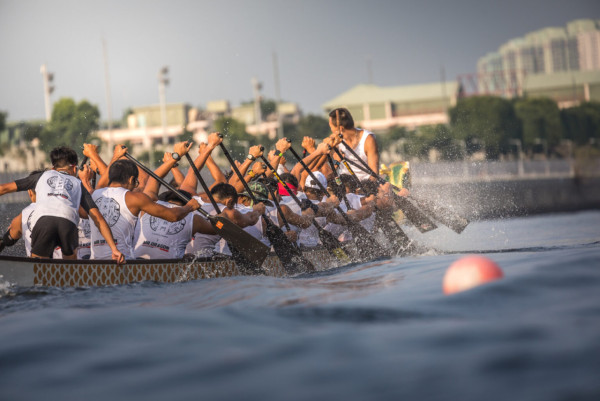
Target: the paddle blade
(291, 258)
(442, 214)
(250, 247)
(333, 245)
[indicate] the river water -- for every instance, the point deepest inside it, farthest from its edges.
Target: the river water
(376, 331)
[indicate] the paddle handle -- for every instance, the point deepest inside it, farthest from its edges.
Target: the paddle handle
(163, 182)
(202, 183)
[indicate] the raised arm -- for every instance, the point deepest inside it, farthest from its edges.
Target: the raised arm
(190, 183)
(253, 153)
(118, 152)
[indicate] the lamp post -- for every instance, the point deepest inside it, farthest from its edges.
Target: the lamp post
(517, 143)
(257, 86)
(163, 81)
(47, 77)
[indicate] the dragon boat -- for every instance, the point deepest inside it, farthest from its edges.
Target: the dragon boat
(27, 272)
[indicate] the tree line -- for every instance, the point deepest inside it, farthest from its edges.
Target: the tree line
(490, 124)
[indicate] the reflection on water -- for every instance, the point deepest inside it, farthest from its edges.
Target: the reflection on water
(379, 330)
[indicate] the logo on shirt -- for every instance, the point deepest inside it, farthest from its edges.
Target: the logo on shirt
(59, 183)
(165, 227)
(110, 210)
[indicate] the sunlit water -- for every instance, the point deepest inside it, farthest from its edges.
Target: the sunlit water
(380, 330)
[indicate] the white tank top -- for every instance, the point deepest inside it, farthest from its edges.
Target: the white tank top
(360, 151)
(85, 239)
(309, 236)
(57, 194)
(27, 226)
(291, 203)
(204, 244)
(161, 239)
(111, 203)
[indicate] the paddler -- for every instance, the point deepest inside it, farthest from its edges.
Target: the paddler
(60, 198)
(360, 140)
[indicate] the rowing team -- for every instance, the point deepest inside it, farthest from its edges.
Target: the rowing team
(114, 210)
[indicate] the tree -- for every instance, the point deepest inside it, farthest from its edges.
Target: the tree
(3, 116)
(581, 123)
(72, 124)
(235, 137)
(487, 118)
(540, 119)
(313, 126)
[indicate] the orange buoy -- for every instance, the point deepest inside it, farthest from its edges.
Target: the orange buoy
(469, 272)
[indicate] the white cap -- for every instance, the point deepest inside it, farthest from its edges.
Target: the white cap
(309, 183)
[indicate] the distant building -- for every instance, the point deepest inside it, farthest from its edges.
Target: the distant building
(548, 52)
(144, 124)
(380, 108)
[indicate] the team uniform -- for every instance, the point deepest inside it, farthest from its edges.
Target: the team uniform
(56, 215)
(111, 203)
(162, 239)
(360, 151)
(85, 239)
(27, 226)
(309, 237)
(203, 245)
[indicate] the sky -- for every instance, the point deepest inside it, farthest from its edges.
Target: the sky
(214, 48)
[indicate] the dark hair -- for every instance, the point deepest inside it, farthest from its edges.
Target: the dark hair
(121, 171)
(346, 119)
(223, 191)
(270, 182)
(170, 196)
(314, 191)
(372, 187)
(63, 156)
(350, 182)
(289, 178)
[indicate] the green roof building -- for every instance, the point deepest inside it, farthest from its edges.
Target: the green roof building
(379, 108)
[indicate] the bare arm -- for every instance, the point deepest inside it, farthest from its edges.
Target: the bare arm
(303, 220)
(202, 226)
(256, 152)
(8, 188)
(190, 183)
(118, 152)
(372, 154)
(139, 202)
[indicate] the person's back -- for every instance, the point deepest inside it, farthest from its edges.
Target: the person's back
(161, 239)
(112, 206)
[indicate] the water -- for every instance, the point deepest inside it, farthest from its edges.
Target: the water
(380, 330)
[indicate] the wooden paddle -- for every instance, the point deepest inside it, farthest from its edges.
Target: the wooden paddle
(291, 258)
(441, 214)
(367, 247)
(240, 260)
(391, 230)
(252, 249)
(332, 244)
(411, 212)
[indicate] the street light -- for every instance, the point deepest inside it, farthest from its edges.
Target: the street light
(517, 142)
(47, 77)
(163, 81)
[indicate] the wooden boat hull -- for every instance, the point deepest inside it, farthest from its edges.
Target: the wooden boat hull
(27, 272)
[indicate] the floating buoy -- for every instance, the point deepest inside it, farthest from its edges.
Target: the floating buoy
(469, 272)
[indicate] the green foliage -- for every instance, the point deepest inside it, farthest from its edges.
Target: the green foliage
(486, 118)
(3, 116)
(540, 119)
(71, 124)
(235, 137)
(582, 123)
(311, 125)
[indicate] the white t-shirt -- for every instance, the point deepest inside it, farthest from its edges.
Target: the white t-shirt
(161, 239)
(111, 203)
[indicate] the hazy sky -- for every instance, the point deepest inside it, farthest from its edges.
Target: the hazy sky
(214, 48)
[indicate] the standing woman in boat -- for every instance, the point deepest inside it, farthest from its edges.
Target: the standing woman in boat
(60, 198)
(360, 140)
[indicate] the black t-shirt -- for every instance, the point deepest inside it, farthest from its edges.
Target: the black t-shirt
(31, 181)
